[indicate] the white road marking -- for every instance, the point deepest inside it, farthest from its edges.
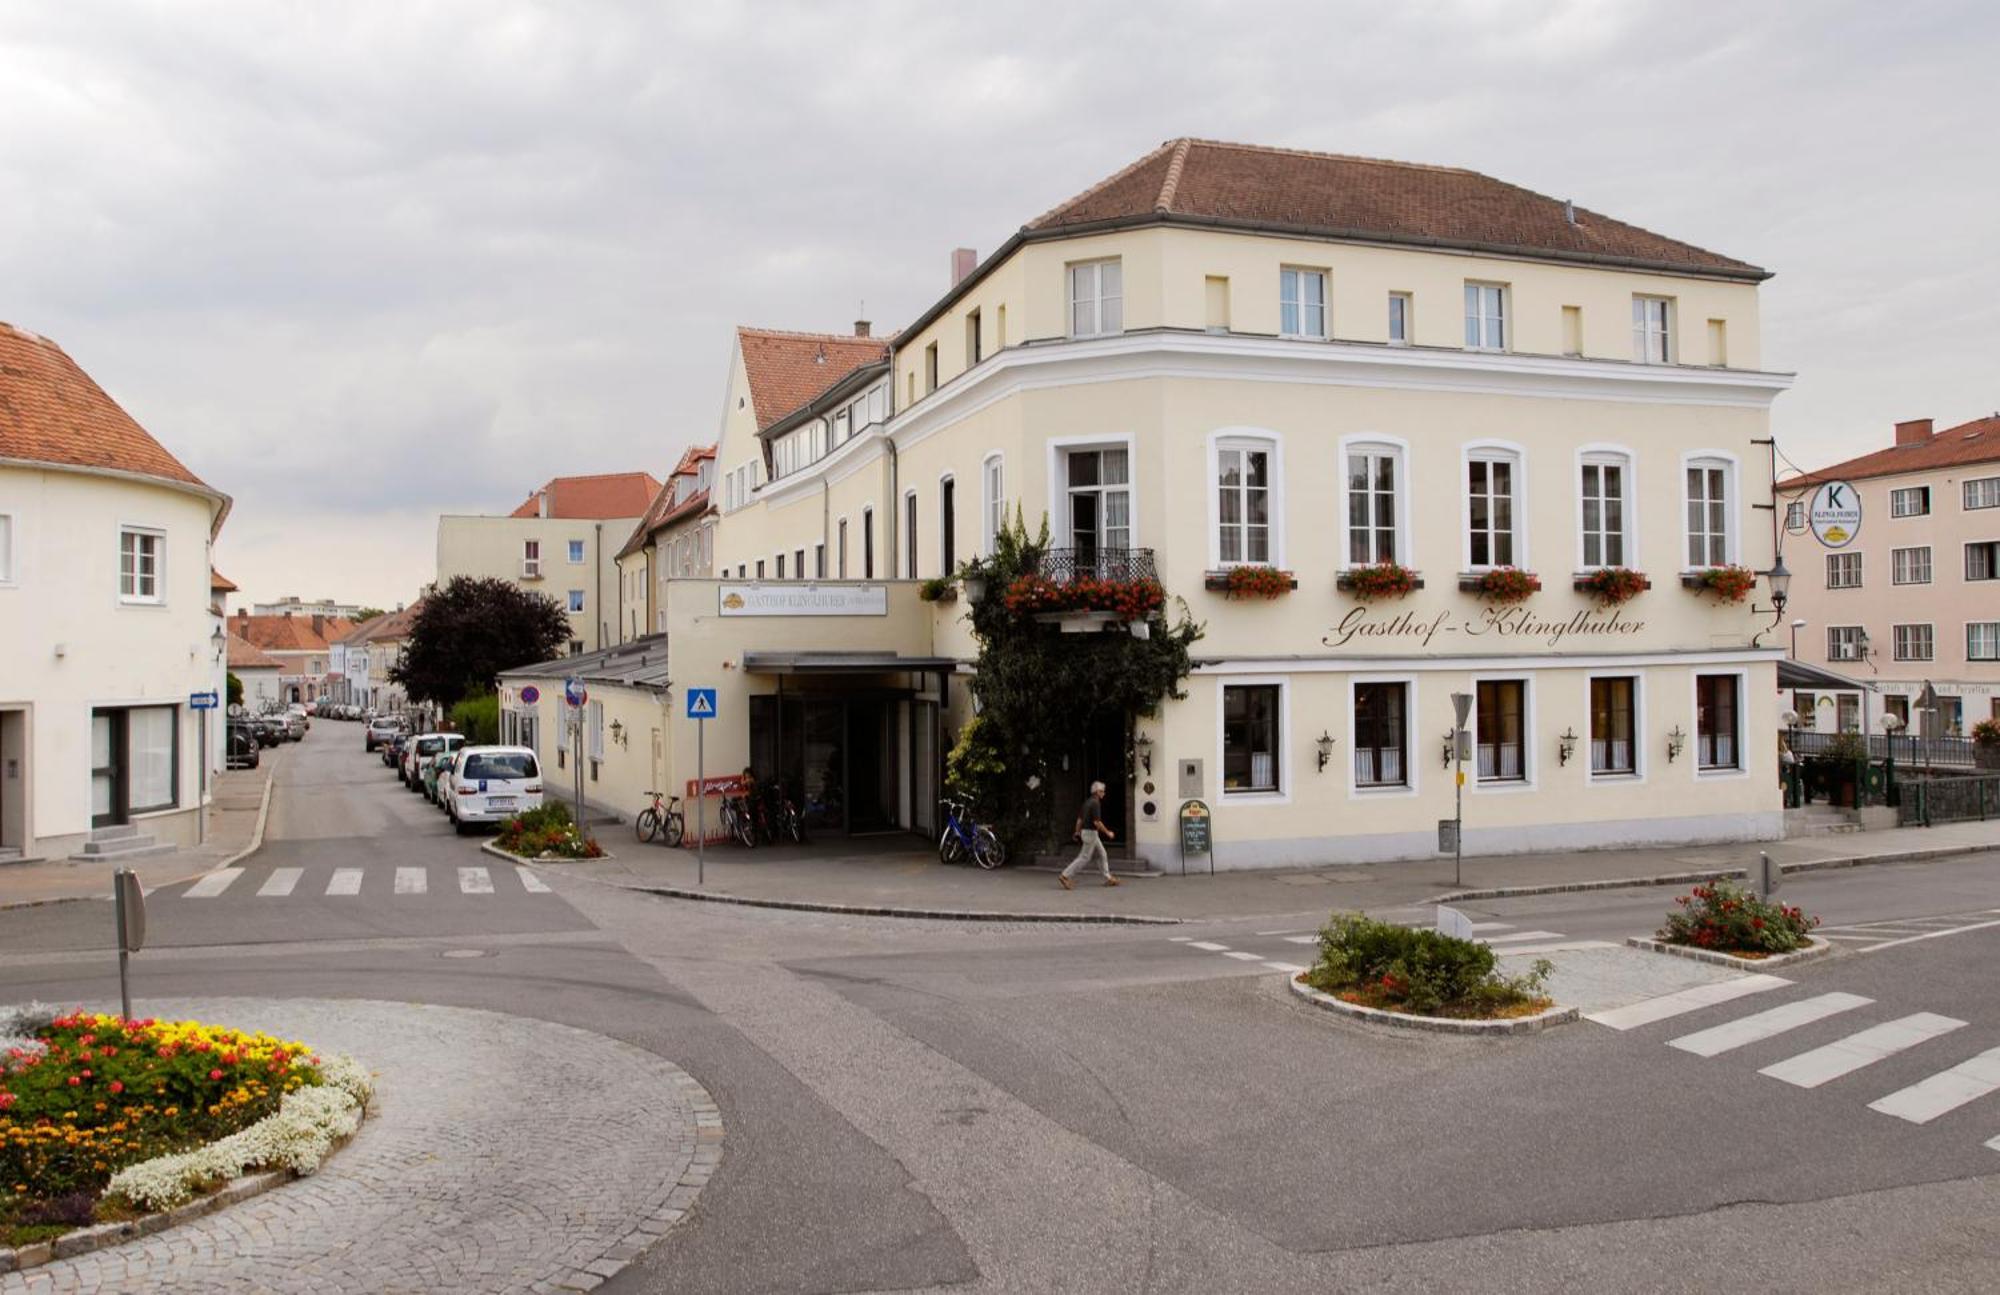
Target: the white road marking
(280, 882)
(1845, 1056)
(411, 881)
(213, 884)
(1945, 1091)
(475, 881)
(1646, 1011)
(345, 881)
(1291, 968)
(1243, 957)
(1555, 946)
(1302, 939)
(1180, 939)
(1477, 927)
(1290, 930)
(1209, 946)
(1763, 1025)
(1932, 935)
(531, 881)
(1994, 1143)
(1524, 935)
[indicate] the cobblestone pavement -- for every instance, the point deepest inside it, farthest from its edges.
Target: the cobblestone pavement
(500, 1154)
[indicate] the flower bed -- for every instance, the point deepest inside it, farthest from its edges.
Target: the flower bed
(1723, 918)
(1379, 580)
(103, 1118)
(1391, 968)
(547, 832)
(1727, 584)
(1129, 600)
(1251, 581)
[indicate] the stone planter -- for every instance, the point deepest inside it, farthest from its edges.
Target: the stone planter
(1816, 947)
(1557, 1015)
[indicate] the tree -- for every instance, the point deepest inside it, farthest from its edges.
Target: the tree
(365, 614)
(235, 690)
(466, 633)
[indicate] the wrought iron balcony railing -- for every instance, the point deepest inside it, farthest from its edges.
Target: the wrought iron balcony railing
(1066, 565)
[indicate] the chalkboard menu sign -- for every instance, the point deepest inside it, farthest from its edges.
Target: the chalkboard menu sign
(1197, 833)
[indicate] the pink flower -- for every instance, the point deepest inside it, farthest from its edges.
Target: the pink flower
(74, 1082)
(6, 1100)
(215, 1074)
(117, 1087)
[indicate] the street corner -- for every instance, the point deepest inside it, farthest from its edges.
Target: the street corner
(501, 1153)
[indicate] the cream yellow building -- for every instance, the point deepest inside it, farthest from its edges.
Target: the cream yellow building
(1225, 356)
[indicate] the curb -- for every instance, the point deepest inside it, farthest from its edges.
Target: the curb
(1535, 1024)
(1818, 948)
(1719, 874)
(489, 847)
(871, 910)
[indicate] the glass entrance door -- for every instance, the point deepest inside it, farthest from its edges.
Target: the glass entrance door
(108, 799)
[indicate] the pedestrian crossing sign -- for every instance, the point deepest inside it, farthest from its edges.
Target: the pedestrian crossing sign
(701, 703)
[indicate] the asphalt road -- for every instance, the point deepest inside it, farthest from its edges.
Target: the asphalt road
(914, 1105)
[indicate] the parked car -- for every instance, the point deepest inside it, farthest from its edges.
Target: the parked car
(264, 729)
(410, 772)
(243, 746)
(381, 729)
(298, 710)
(392, 750)
(489, 784)
(428, 766)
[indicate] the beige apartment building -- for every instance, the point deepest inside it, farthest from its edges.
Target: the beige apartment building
(1912, 600)
(562, 541)
(1224, 356)
(674, 540)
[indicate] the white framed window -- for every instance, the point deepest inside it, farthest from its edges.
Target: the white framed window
(947, 526)
(1845, 642)
(576, 552)
(1253, 721)
(7, 576)
(1301, 302)
(819, 560)
(1910, 501)
(597, 730)
(1485, 316)
(1982, 641)
(1615, 726)
(141, 564)
(1982, 560)
(1399, 319)
(1374, 495)
(1652, 330)
(992, 502)
(1911, 566)
(1718, 722)
(909, 535)
(1492, 508)
(1500, 731)
(1711, 505)
(840, 549)
(1911, 642)
(1096, 298)
(779, 559)
(576, 600)
(1982, 492)
(931, 368)
(152, 757)
(1093, 498)
(867, 544)
(1843, 570)
(1245, 472)
(1795, 516)
(1605, 507)
(1381, 717)
(974, 349)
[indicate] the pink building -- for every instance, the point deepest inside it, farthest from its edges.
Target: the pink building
(1913, 600)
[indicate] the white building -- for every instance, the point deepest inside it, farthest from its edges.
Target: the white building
(293, 605)
(105, 600)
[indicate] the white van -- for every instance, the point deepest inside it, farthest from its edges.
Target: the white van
(491, 783)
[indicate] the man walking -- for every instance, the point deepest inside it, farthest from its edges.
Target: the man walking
(1091, 830)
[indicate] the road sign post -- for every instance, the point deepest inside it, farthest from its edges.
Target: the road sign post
(574, 696)
(129, 903)
(700, 709)
(202, 703)
(1461, 707)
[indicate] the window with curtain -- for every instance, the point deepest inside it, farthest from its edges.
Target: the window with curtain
(139, 562)
(150, 750)
(1716, 708)
(1379, 735)
(1652, 330)
(1243, 501)
(1100, 500)
(1501, 706)
(1486, 316)
(1250, 737)
(1372, 472)
(1604, 494)
(994, 506)
(1489, 487)
(1707, 513)
(1301, 302)
(1613, 721)
(1096, 299)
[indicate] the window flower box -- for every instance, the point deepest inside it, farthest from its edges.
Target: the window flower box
(1380, 580)
(1730, 584)
(1501, 584)
(1250, 581)
(1611, 586)
(1122, 600)
(938, 589)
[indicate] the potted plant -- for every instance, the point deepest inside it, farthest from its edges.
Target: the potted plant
(1501, 584)
(1252, 580)
(938, 589)
(1611, 586)
(1727, 584)
(1986, 743)
(1379, 580)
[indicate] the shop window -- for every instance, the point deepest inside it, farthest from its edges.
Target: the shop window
(1250, 724)
(1501, 712)
(1717, 708)
(1613, 723)
(1380, 735)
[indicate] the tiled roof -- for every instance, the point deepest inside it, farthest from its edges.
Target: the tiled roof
(51, 412)
(1246, 186)
(290, 633)
(1975, 442)
(388, 627)
(245, 655)
(610, 494)
(785, 370)
(219, 582)
(662, 510)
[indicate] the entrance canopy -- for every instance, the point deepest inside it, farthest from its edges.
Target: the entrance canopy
(837, 663)
(1797, 674)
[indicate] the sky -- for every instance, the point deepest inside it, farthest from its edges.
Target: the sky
(360, 264)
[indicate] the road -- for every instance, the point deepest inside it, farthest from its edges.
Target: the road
(1013, 1107)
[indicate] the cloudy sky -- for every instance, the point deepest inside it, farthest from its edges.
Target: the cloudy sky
(362, 263)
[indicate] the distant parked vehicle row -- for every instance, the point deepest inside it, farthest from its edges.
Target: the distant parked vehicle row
(470, 785)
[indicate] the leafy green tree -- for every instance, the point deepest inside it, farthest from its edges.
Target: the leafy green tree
(366, 614)
(235, 689)
(466, 633)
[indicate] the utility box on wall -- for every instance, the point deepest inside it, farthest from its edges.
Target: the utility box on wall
(1191, 780)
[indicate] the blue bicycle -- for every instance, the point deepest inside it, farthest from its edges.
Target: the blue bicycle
(963, 837)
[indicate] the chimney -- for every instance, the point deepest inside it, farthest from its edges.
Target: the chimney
(1914, 432)
(861, 327)
(319, 625)
(243, 614)
(542, 504)
(963, 259)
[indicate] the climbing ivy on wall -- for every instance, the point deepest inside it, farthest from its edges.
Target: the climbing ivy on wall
(1041, 691)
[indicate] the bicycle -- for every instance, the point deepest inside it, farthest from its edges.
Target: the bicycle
(780, 817)
(736, 822)
(661, 818)
(963, 837)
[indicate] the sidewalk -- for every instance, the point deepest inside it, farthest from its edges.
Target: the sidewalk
(235, 818)
(903, 876)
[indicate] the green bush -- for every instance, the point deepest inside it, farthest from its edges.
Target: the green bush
(547, 830)
(478, 718)
(1399, 968)
(1722, 917)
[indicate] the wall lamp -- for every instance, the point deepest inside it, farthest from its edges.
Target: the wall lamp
(1142, 746)
(618, 732)
(1780, 580)
(1676, 743)
(1450, 746)
(1565, 745)
(1325, 744)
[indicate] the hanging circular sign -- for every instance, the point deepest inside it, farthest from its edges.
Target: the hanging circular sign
(1835, 514)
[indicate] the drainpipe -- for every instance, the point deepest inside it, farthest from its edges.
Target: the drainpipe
(894, 510)
(825, 520)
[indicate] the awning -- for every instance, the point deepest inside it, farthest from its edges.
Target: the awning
(1797, 674)
(794, 663)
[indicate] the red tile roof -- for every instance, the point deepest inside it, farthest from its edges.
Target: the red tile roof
(1975, 442)
(245, 655)
(662, 510)
(1245, 186)
(610, 494)
(290, 633)
(218, 581)
(785, 370)
(51, 412)
(388, 627)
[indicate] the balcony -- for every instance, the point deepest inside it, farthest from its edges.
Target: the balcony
(1065, 566)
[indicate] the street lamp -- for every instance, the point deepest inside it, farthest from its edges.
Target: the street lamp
(1780, 580)
(1797, 625)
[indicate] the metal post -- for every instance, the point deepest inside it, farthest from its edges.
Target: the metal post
(124, 957)
(201, 810)
(1458, 818)
(577, 727)
(700, 802)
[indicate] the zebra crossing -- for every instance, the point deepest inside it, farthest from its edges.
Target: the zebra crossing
(1890, 933)
(1957, 1084)
(352, 883)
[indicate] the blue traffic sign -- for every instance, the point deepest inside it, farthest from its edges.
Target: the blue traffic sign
(574, 692)
(701, 703)
(202, 700)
